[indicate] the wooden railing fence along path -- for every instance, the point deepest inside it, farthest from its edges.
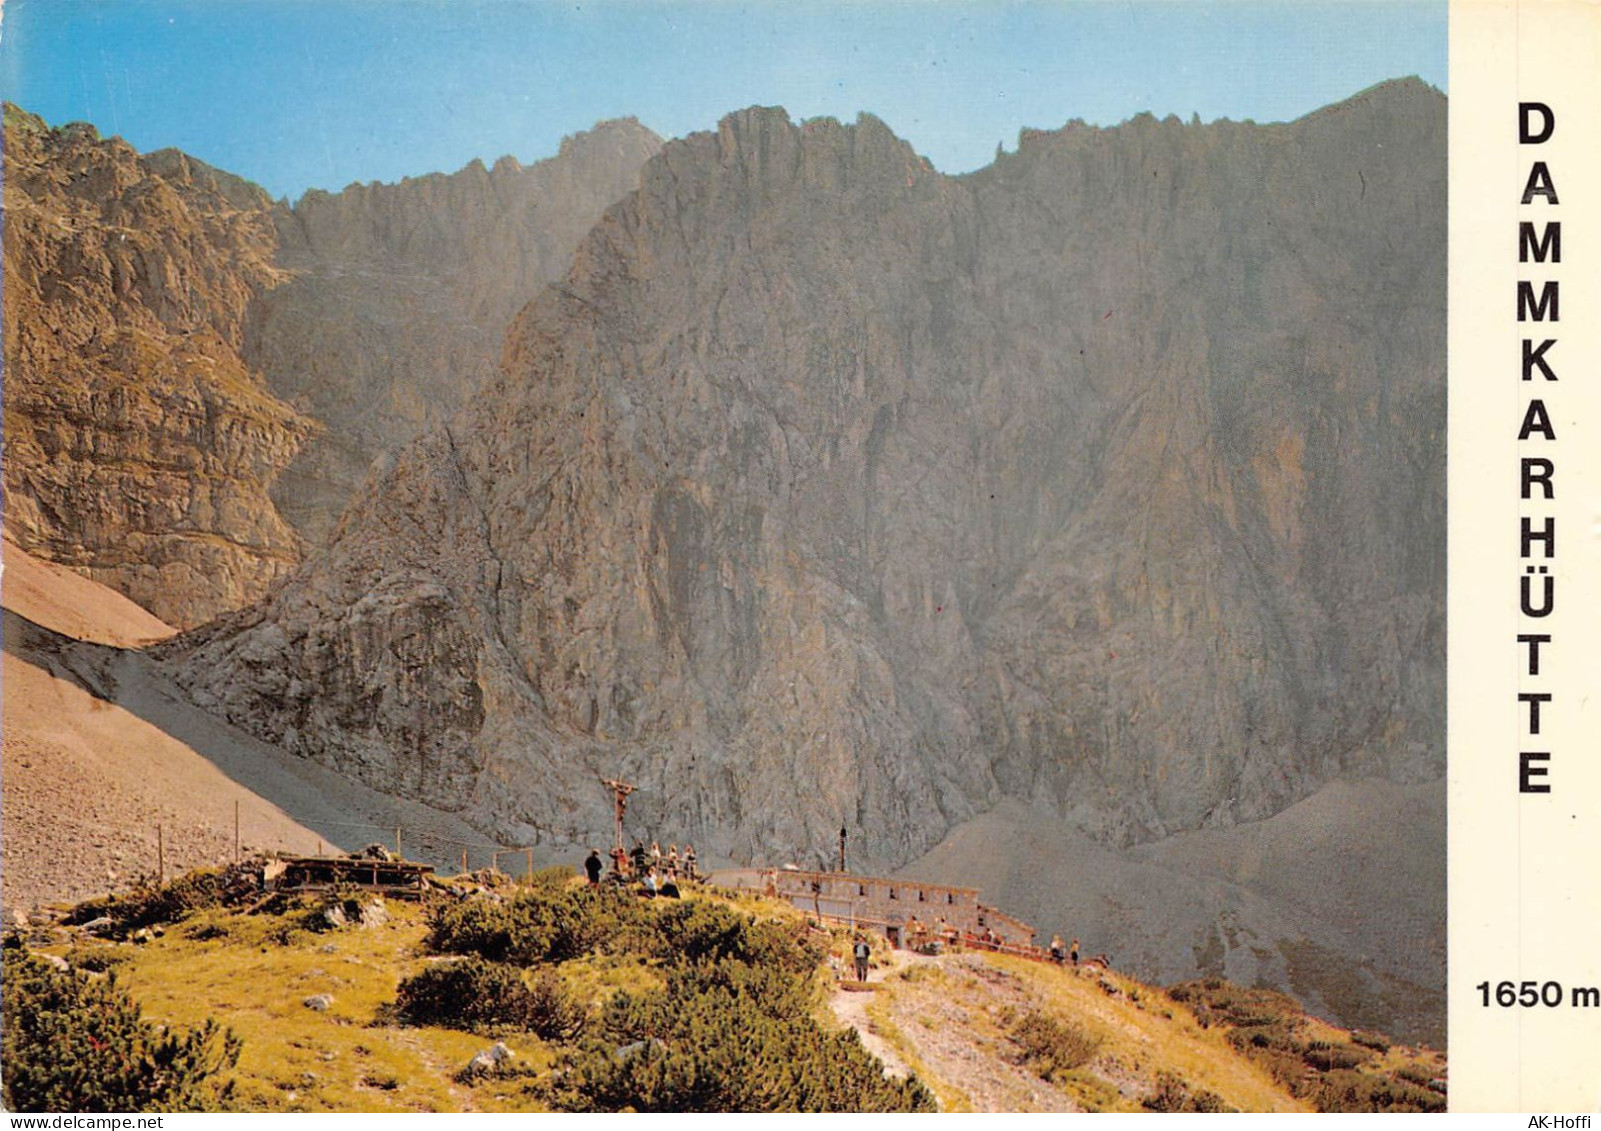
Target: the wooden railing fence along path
(343, 838)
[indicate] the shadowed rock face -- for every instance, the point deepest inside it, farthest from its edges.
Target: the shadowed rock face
(1109, 478)
(399, 297)
(178, 346)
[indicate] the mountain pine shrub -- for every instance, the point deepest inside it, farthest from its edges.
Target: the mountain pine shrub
(726, 1036)
(1173, 1094)
(1053, 1047)
(476, 994)
(545, 923)
(73, 1043)
(156, 904)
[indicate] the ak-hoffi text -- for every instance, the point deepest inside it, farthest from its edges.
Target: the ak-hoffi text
(1539, 242)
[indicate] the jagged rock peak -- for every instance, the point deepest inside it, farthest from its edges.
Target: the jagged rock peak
(178, 168)
(765, 146)
(609, 133)
(1406, 97)
(136, 278)
(610, 136)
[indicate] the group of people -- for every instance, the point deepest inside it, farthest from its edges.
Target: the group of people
(655, 872)
(989, 937)
(672, 866)
(1070, 955)
(1060, 955)
(920, 934)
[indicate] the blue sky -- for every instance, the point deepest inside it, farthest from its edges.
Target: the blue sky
(320, 93)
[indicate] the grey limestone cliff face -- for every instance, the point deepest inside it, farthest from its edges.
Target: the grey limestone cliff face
(397, 298)
(829, 488)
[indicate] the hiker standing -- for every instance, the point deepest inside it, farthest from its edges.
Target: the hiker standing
(1056, 949)
(593, 867)
(672, 861)
(863, 953)
(1073, 953)
(689, 862)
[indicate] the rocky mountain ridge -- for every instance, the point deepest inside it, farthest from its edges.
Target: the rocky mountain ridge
(139, 444)
(198, 376)
(826, 487)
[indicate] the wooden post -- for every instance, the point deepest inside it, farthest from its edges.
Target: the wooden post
(236, 830)
(319, 846)
(161, 855)
(620, 791)
(464, 861)
(397, 843)
(530, 853)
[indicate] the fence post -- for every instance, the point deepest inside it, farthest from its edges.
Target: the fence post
(397, 842)
(161, 855)
(530, 853)
(236, 830)
(464, 861)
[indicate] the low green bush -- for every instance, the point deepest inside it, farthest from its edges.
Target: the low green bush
(1345, 1090)
(1052, 1047)
(555, 876)
(726, 1036)
(1326, 1057)
(1173, 1094)
(1269, 1028)
(1418, 1074)
(701, 931)
(733, 1027)
(159, 904)
(547, 922)
(97, 959)
(1278, 1036)
(556, 1013)
(476, 994)
(75, 1043)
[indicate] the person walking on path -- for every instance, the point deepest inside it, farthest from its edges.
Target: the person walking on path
(593, 867)
(863, 953)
